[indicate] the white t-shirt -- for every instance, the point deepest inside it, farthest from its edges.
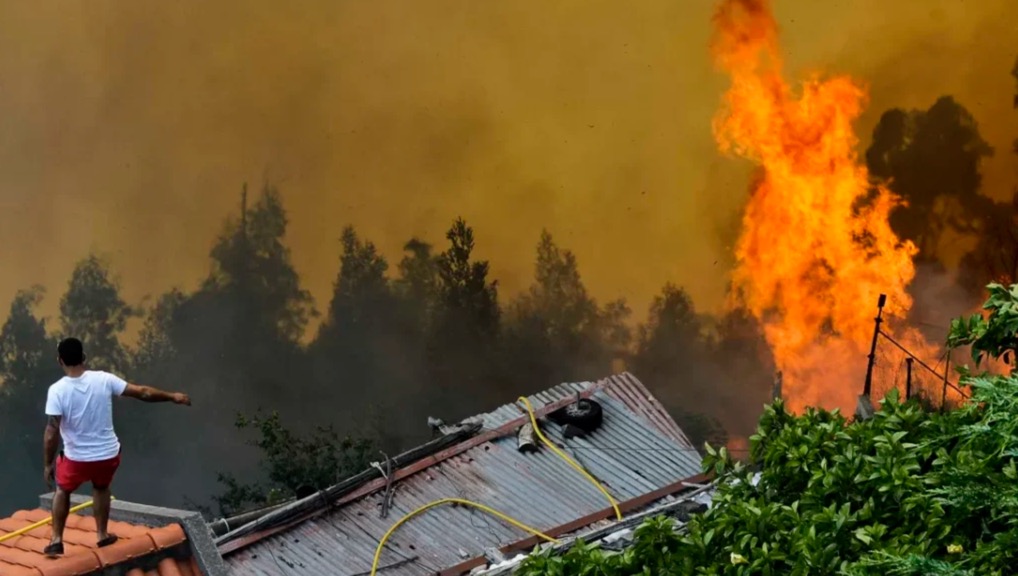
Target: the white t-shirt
(85, 405)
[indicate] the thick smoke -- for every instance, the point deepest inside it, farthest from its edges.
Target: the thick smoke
(126, 129)
(138, 124)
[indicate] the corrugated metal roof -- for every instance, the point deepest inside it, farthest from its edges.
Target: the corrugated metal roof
(637, 450)
(613, 536)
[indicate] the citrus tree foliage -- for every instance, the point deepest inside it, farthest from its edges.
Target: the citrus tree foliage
(907, 492)
(995, 336)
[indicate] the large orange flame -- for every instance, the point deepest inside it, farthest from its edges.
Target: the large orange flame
(816, 249)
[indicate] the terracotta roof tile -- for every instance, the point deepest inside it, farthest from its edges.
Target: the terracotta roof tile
(22, 555)
(82, 538)
(72, 565)
(168, 536)
(12, 524)
(16, 556)
(126, 549)
(14, 570)
(31, 516)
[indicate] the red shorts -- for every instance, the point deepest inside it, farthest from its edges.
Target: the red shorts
(71, 474)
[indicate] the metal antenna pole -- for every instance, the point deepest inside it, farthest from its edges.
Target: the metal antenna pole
(943, 395)
(873, 347)
(908, 377)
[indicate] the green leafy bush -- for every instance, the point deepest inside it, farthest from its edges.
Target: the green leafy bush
(907, 492)
(995, 336)
(291, 462)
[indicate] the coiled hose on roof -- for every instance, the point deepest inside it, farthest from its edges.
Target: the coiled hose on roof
(493, 512)
(570, 461)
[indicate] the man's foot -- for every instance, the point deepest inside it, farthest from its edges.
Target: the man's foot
(54, 550)
(110, 539)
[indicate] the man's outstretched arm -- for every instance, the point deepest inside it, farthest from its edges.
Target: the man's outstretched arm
(150, 394)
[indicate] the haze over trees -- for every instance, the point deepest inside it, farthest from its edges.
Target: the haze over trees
(431, 336)
(933, 159)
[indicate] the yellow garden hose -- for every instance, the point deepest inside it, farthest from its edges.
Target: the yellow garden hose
(493, 512)
(554, 448)
(426, 507)
(40, 523)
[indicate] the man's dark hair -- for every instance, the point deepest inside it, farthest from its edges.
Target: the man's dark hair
(71, 352)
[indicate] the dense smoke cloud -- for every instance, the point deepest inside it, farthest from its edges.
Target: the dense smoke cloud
(127, 129)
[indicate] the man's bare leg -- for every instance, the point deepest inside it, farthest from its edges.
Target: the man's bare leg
(61, 507)
(101, 509)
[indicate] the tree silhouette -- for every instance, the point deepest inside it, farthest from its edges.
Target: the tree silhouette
(712, 373)
(672, 337)
(417, 285)
(93, 310)
(156, 352)
(556, 331)
(670, 357)
(469, 301)
(461, 344)
(359, 337)
(234, 345)
(747, 364)
(28, 366)
(932, 159)
(251, 265)
(27, 352)
(361, 292)
(240, 331)
(994, 258)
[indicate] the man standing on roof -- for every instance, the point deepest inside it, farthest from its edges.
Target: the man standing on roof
(80, 407)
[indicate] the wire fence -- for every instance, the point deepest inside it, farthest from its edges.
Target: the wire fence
(908, 363)
(914, 374)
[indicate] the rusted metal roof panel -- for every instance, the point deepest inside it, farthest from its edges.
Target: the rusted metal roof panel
(637, 450)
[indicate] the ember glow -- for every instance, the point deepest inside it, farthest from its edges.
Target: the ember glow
(812, 257)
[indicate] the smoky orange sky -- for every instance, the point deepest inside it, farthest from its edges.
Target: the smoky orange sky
(127, 128)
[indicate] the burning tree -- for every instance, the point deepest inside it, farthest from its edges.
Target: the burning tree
(817, 247)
